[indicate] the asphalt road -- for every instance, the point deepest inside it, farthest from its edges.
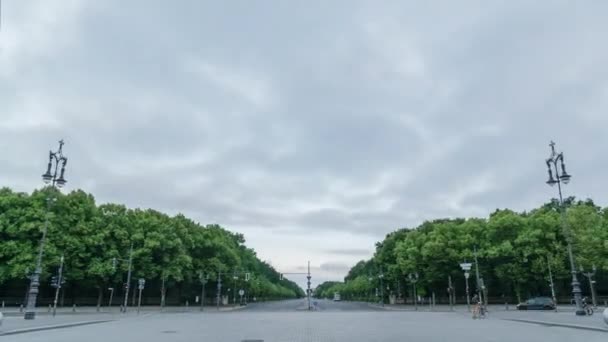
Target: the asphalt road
(302, 305)
(289, 321)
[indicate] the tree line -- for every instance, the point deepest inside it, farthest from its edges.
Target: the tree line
(170, 252)
(514, 251)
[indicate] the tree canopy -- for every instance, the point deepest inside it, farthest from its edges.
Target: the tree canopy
(514, 251)
(89, 236)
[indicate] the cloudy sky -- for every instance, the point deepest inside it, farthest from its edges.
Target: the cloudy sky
(313, 127)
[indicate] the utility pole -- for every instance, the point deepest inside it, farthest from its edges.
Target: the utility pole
(58, 286)
(128, 279)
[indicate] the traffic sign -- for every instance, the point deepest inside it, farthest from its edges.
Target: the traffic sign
(241, 292)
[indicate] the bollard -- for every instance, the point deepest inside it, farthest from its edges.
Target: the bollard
(74, 308)
(21, 308)
(2, 304)
(50, 308)
(506, 306)
(1, 318)
(605, 315)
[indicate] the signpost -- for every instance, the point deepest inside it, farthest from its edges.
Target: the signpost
(466, 267)
(141, 284)
(241, 293)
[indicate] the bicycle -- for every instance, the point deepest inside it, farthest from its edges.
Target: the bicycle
(479, 311)
(588, 308)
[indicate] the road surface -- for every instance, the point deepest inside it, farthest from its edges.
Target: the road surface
(286, 322)
(302, 305)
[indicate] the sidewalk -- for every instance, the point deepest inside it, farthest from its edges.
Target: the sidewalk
(564, 317)
(15, 323)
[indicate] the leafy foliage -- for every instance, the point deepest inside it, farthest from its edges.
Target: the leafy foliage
(513, 250)
(90, 237)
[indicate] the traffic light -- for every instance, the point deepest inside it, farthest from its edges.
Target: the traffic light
(247, 276)
(54, 282)
(281, 276)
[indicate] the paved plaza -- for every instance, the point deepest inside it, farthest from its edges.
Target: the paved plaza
(336, 322)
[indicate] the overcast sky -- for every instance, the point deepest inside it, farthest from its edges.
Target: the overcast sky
(313, 127)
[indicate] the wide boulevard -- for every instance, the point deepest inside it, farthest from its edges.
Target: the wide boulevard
(328, 321)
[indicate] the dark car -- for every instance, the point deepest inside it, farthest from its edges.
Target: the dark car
(537, 303)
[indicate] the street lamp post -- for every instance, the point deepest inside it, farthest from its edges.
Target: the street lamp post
(466, 267)
(563, 176)
(590, 276)
(49, 177)
(414, 279)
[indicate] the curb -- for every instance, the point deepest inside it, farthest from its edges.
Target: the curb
(554, 324)
(234, 308)
(51, 327)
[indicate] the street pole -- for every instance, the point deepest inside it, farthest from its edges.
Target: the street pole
(414, 279)
(381, 276)
(111, 289)
(234, 277)
(59, 280)
(450, 293)
(141, 284)
(49, 177)
(126, 302)
(203, 283)
(219, 289)
(560, 177)
(590, 276)
(308, 289)
(478, 279)
(551, 283)
(466, 267)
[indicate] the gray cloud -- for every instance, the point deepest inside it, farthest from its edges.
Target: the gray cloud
(341, 120)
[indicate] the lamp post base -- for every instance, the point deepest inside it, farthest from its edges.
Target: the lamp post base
(30, 315)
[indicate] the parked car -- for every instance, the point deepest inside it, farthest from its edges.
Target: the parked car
(537, 303)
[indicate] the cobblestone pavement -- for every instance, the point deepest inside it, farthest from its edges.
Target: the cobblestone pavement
(311, 326)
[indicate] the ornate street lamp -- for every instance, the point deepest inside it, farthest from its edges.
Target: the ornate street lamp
(558, 175)
(56, 159)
